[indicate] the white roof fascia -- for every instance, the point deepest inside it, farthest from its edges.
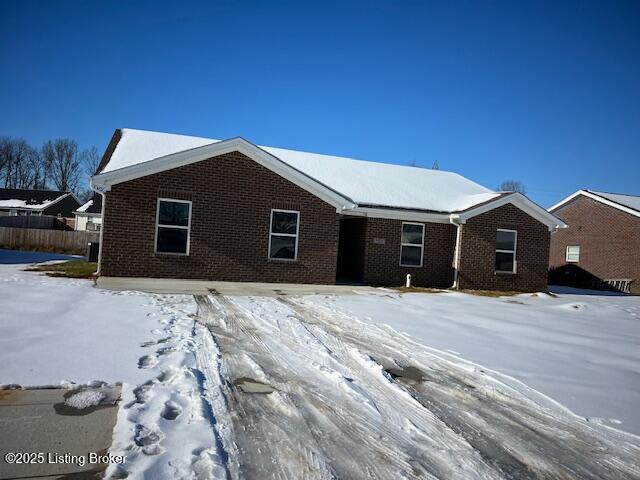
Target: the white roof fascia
(395, 214)
(104, 181)
(520, 201)
(597, 198)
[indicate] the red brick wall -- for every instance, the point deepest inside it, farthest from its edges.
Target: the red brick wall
(478, 247)
(232, 200)
(382, 262)
(609, 240)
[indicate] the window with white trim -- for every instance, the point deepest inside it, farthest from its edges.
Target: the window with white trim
(506, 241)
(173, 226)
(573, 253)
(411, 244)
(283, 234)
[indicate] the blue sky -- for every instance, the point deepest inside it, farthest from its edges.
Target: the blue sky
(546, 93)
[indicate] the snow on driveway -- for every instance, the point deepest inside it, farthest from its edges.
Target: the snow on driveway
(581, 350)
(355, 400)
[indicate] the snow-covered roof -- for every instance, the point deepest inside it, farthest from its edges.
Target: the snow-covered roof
(84, 206)
(631, 201)
(363, 182)
(623, 202)
(92, 207)
(23, 204)
(26, 199)
(354, 187)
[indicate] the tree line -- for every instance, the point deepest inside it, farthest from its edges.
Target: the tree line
(58, 165)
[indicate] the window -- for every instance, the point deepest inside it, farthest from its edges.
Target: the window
(411, 244)
(173, 225)
(506, 251)
(573, 253)
(283, 235)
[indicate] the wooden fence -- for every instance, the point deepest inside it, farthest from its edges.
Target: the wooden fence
(47, 240)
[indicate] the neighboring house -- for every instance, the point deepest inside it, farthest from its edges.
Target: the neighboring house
(602, 241)
(89, 215)
(195, 208)
(17, 202)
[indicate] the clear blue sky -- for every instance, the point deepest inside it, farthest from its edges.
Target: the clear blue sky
(546, 93)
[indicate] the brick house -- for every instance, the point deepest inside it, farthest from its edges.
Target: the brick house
(601, 247)
(193, 208)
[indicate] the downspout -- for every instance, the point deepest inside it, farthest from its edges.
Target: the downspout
(454, 220)
(104, 202)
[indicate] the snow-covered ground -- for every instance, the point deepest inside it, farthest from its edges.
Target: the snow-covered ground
(60, 332)
(581, 350)
(354, 396)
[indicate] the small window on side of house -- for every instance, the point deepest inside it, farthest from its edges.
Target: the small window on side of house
(411, 244)
(506, 242)
(573, 253)
(173, 226)
(283, 235)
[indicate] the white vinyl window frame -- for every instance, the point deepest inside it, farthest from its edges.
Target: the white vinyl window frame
(272, 234)
(177, 227)
(572, 256)
(515, 248)
(421, 245)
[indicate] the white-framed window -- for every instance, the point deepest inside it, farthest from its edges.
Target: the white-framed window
(173, 226)
(573, 253)
(506, 243)
(283, 234)
(411, 244)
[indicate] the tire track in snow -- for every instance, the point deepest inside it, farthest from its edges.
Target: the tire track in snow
(351, 419)
(522, 439)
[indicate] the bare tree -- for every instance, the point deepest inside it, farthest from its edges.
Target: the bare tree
(512, 186)
(18, 163)
(62, 160)
(412, 163)
(90, 161)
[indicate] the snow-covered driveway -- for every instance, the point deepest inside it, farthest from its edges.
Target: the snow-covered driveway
(355, 400)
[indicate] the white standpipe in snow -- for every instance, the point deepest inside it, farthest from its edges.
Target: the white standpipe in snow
(408, 280)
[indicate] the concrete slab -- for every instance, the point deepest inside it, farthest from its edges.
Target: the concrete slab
(202, 287)
(61, 440)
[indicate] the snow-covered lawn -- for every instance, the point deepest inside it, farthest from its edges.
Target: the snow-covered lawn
(59, 332)
(581, 350)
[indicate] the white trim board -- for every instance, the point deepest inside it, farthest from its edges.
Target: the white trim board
(519, 201)
(596, 197)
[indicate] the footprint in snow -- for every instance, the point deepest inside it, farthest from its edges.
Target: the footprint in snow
(207, 464)
(166, 350)
(119, 473)
(151, 343)
(167, 376)
(148, 440)
(147, 361)
(141, 393)
(146, 437)
(171, 410)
